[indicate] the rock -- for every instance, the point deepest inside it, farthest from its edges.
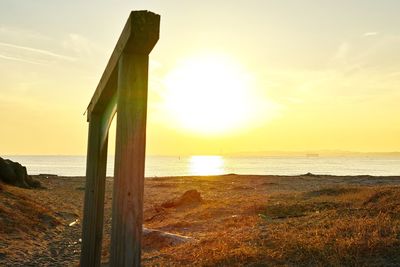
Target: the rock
(309, 174)
(15, 174)
(48, 219)
(191, 197)
(156, 239)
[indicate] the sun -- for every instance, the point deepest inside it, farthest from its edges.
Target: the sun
(208, 94)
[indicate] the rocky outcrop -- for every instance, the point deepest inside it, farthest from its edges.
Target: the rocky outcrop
(189, 198)
(15, 174)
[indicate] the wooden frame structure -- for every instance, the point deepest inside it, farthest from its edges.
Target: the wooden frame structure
(122, 89)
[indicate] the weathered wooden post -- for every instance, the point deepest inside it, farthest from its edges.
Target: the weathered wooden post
(122, 89)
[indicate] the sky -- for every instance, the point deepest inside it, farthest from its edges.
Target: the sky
(225, 77)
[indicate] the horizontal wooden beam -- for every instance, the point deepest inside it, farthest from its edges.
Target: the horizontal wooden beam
(140, 34)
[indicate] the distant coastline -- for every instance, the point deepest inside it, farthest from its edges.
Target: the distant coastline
(320, 153)
(267, 153)
(296, 163)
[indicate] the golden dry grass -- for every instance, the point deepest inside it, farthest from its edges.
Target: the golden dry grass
(23, 221)
(241, 220)
(20, 213)
(344, 226)
(356, 228)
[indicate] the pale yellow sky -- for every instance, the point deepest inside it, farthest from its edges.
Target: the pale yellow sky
(291, 75)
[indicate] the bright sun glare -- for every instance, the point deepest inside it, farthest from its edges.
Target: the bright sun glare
(206, 165)
(208, 94)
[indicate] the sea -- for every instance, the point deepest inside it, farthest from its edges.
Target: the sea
(161, 166)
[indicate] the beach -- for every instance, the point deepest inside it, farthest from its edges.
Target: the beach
(226, 220)
(240, 133)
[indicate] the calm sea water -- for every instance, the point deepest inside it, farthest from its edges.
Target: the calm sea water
(210, 165)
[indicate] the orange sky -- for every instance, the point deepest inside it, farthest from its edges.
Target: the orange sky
(224, 78)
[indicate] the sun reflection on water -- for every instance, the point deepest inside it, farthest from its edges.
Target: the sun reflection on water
(206, 165)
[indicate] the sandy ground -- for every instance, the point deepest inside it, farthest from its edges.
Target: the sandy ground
(43, 227)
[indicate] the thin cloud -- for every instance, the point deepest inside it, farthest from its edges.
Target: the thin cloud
(342, 51)
(79, 44)
(370, 34)
(13, 33)
(20, 60)
(39, 51)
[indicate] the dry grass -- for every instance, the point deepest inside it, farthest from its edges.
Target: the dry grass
(240, 220)
(22, 214)
(23, 221)
(233, 243)
(335, 226)
(352, 226)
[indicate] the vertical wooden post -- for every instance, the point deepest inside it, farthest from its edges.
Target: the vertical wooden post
(127, 215)
(92, 229)
(122, 89)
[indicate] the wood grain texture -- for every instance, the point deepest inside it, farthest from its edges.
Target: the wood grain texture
(140, 34)
(92, 228)
(127, 214)
(122, 89)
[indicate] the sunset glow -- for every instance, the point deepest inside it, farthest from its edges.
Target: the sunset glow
(206, 165)
(208, 94)
(265, 76)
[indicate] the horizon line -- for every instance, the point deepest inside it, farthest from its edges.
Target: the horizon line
(247, 153)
